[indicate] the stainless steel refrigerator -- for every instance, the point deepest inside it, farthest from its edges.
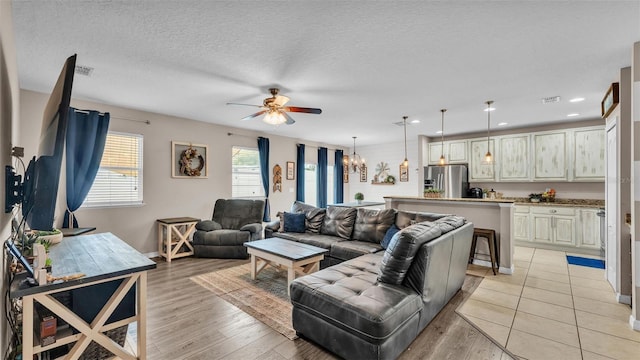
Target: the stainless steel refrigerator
(453, 180)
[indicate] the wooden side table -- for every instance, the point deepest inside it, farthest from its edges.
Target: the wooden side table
(173, 237)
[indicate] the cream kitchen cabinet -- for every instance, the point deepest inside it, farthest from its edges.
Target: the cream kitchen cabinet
(521, 223)
(588, 229)
(455, 152)
(550, 156)
(513, 158)
(553, 225)
(479, 171)
(588, 154)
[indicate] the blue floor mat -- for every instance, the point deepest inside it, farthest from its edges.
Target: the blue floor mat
(594, 263)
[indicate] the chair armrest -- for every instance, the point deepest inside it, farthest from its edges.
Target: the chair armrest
(254, 228)
(208, 225)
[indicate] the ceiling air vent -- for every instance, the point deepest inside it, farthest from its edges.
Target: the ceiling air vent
(84, 70)
(551, 99)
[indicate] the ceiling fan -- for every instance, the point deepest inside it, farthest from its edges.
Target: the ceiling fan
(276, 112)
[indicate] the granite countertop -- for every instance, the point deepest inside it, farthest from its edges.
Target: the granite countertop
(590, 203)
(587, 203)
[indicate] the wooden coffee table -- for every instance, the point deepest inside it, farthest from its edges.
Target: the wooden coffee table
(297, 258)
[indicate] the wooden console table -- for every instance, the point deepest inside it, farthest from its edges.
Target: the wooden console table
(101, 258)
(173, 237)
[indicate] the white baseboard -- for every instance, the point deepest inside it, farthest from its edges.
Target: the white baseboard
(503, 270)
(623, 299)
(152, 254)
(635, 324)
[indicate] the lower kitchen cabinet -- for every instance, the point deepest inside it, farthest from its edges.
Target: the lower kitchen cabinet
(564, 228)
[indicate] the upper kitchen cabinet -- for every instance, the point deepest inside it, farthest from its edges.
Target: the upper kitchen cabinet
(479, 170)
(514, 159)
(588, 151)
(455, 152)
(550, 156)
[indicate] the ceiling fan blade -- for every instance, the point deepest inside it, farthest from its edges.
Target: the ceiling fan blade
(280, 100)
(244, 104)
(302, 110)
(253, 115)
(290, 120)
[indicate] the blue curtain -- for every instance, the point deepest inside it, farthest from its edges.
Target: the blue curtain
(321, 176)
(86, 137)
(263, 149)
(300, 173)
(338, 186)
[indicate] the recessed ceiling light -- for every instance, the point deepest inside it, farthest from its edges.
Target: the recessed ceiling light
(578, 99)
(416, 121)
(502, 124)
(573, 115)
(489, 109)
(439, 132)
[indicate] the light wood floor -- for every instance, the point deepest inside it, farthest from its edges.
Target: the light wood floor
(185, 321)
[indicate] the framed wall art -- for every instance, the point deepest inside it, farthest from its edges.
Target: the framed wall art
(404, 173)
(345, 169)
(189, 160)
(610, 100)
(291, 170)
(363, 173)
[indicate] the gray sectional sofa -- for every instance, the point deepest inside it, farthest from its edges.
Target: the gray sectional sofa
(369, 302)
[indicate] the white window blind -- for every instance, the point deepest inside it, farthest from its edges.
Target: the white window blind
(119, 178)
(246, 178)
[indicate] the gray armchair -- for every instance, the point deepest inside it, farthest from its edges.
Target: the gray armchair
(234, 222)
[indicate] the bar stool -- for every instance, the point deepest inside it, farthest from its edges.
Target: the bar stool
(492, 241)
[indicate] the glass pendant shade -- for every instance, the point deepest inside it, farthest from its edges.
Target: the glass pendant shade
(405, 163)
(443, 160)
(488, 157)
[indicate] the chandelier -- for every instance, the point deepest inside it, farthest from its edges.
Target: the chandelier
(356, 162)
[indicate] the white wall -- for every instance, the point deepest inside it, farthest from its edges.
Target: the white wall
(165, 196)
(9, 107)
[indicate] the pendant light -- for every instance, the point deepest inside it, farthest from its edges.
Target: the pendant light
(405, 163)
(442, 161)
(488, 158)
(356, 162)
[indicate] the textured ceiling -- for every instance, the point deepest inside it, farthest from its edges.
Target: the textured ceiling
(366, 64)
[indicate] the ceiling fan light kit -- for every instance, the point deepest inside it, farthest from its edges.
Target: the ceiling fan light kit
(276, 112)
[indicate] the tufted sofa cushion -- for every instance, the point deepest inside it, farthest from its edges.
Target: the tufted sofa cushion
(402, 249)
(371, 225)
(339, 221)
(407, 218)
(313, 216)
(349, 296)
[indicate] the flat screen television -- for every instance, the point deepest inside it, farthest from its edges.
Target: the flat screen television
(39, 191)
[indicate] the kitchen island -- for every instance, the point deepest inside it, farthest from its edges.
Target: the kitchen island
(493, 214)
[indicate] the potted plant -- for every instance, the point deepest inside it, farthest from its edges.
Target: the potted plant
(54, 236)
(359, 197)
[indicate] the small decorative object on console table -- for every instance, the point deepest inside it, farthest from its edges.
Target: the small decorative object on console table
(173, 237)
(359, 197)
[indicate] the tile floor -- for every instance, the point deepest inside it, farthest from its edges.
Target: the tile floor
(551, 310)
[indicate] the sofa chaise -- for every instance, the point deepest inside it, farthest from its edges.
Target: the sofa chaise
(383, 287)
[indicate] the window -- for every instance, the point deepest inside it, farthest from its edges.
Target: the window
(246, 178)
(119, 178)
(310, 184)
(310, 181)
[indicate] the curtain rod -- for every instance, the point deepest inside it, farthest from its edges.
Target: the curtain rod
(328, 148)
(248, 136)
(115, 117)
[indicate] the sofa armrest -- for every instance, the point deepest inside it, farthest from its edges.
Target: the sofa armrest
(273, 226)
(208, 225)
(253, 228)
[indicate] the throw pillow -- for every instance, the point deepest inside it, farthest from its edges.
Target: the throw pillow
(387, 237)
(294, 222)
